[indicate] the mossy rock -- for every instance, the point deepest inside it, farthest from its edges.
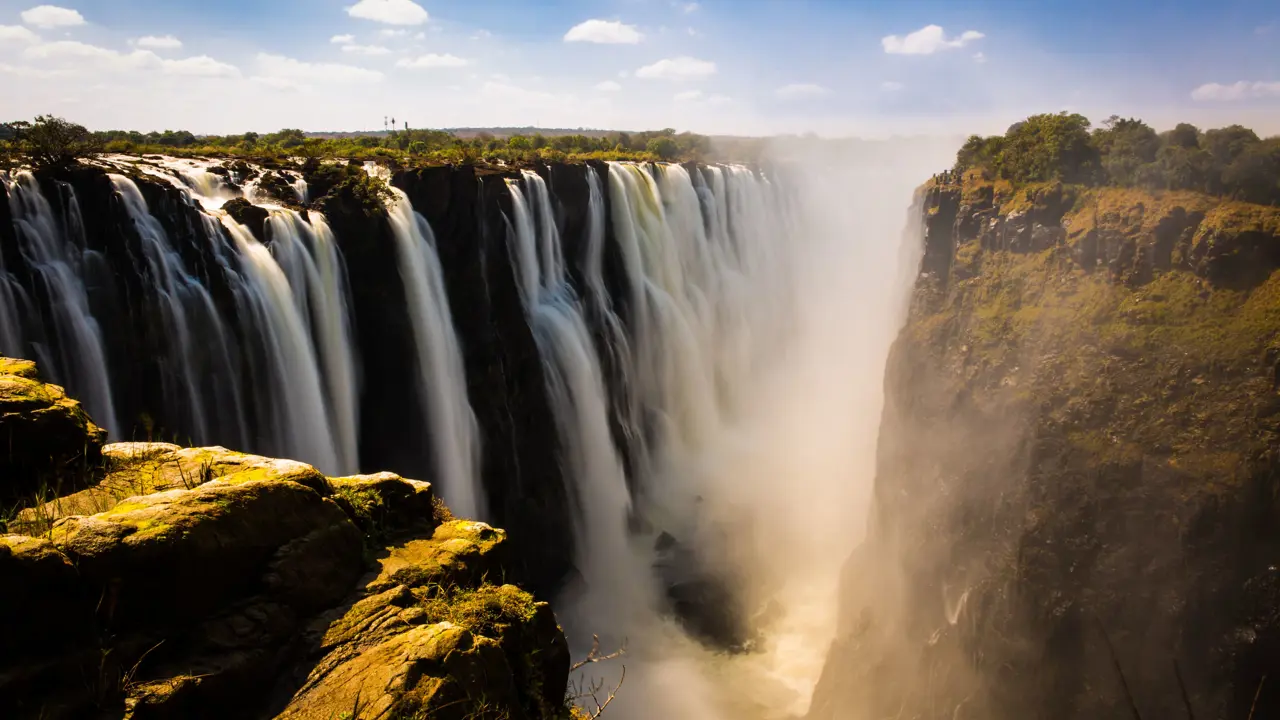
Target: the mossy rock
(386, 504)
(135, 469)
(184, 553)
(460, 553)
(48, 444)
(439, 671)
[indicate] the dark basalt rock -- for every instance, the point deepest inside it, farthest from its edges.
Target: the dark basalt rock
(249, 215)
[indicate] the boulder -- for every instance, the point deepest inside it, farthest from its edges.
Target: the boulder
(249, 215)
(50, 445)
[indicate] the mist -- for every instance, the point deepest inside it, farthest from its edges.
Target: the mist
(775, 497)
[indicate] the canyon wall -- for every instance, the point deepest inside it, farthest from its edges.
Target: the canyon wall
(1078, 488)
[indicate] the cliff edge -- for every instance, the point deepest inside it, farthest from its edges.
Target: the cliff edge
(1076, 502)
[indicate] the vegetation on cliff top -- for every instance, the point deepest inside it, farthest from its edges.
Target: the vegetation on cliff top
(1126, 152)
(407, 146)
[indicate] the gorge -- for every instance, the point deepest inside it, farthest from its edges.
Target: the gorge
(582, 354)
(1018, 459)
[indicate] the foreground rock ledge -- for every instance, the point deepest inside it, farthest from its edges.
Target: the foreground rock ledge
(201, 582)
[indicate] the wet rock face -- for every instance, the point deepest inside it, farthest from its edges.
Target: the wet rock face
(1050, 484)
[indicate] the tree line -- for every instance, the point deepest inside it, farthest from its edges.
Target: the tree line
(1231, 161)
(52, 141)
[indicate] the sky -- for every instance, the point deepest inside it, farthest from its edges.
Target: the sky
(744, 67)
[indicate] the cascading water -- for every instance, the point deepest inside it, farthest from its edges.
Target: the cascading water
(194, 382)
(76, 358)
(616, 590)
(309, 258)
(298, 414)
(441, 381)
(708, 350)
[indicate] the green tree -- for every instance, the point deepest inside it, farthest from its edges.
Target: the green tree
(1226, 144)
(978, 152)
(1186, 168)
(1183, 135)
(52, 142)
(664, 147)
(1049, 147)
(1254, 175)
(1125, 145)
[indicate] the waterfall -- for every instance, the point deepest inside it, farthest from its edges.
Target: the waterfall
(300, 187)
(309, 258)
(617, 588)
(441, 382)
(190, 377)
(615, 341)
(55, 253)
(298, 414)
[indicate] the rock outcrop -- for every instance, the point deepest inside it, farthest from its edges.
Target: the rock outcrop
(47, 442)
(1078, 479)
(205, 583)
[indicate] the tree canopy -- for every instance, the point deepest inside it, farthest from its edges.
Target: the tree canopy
(1230, 161)
(408, 145)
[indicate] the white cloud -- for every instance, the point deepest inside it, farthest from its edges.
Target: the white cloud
(979, 58)
(609, 32)
(608, 86)
(1242, 90)
(678, 68)
(801, 90)
(91, 57)
(891, 86)
(432, 60)
(342, 39)
(86, 58)
(481, 34)
(688, 95)
(52, 16)
(14, 34)
(719, 100)
(391, 12)
(420, 36)
(280, 71)
(692, 32)
(689, 7)
(927, 41)
(164, 42)
(389, 32)
(366, 50)
(199, 66)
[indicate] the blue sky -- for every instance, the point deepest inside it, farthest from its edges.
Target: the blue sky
(836, 67)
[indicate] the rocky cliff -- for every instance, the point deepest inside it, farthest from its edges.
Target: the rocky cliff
(521, 470)
(169, 582)
(1077, 502)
